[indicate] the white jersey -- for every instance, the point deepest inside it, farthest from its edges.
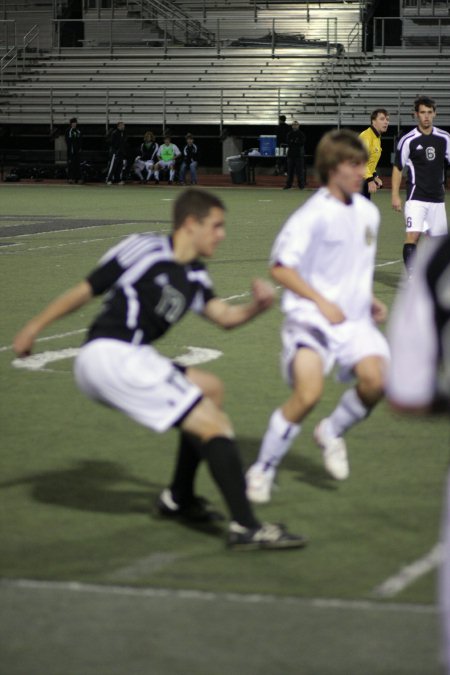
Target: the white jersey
(332, 246)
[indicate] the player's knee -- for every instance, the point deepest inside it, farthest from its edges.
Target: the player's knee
(371, 385)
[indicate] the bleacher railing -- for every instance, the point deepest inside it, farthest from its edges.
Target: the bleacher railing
(163, 33)
(391, 32)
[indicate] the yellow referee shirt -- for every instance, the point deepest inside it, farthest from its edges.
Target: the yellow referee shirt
(372, 140)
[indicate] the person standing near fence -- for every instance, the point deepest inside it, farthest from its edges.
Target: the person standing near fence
(73, 143)
(295, 156)
(117, 155)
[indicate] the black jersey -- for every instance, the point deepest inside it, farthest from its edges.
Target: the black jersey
(426, 157)
(147, 289)
(148, 151)
(438, 281)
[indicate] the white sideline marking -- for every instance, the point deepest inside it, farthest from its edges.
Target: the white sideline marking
(206, 596)
(35, 362)
(391, 262)
(410, 573)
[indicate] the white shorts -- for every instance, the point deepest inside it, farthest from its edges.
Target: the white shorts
(137, 380)
(166, 165)
(427, 217)
(345, 344)
(144, 164)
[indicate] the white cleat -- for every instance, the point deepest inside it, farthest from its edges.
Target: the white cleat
(334, 452)
(259, 483)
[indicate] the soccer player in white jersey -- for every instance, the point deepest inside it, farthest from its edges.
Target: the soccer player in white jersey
(418, 379)
(425, 153)
(150, 281)
(324, 258)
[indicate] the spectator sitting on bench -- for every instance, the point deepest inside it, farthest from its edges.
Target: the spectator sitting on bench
(167, 155)
(146, 158)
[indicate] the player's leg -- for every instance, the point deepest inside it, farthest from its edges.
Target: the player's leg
(171, 166)
(149, 168)
(415, 222)
(193, 169)
(110, 170)
(221, 453)
(156, 172)
(437, 219)
(365, 352)
(189, 452)
(182, 176)
(137, 167)
(284, 424)
(290, 173)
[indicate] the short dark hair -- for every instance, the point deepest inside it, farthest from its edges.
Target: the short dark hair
(424, 100)
(282, 118)
(335, 147)
(72, 120)
(194, 202)
(378, 111)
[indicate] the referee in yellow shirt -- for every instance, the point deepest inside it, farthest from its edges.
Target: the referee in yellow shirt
(371, 137)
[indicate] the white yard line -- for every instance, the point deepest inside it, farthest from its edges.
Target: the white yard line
(210, 596)
(409, 574)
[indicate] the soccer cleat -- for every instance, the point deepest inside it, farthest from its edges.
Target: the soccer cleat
(259, 483)
(196, 509)
(334, 452)
(156, 181)
(268, 536)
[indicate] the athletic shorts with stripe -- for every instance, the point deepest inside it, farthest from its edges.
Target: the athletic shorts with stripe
(136, 380)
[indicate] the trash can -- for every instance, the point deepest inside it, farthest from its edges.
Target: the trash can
(237, 167)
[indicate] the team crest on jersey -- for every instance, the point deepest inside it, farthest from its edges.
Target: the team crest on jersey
(369, 235)
(430, 153)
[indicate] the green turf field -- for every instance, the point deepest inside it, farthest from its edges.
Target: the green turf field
(78, 481)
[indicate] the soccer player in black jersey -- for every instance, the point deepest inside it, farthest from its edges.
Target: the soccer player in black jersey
(425, 153)
(150, 281)
(419, 375)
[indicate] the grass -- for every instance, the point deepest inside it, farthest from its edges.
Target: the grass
(78, 480)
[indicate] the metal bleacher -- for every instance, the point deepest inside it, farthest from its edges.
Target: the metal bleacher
(250, 62)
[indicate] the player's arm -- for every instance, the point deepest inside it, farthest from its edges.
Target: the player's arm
(379, 310)
(229, 316)
(76, 297)
(396, 182)
(289, 278)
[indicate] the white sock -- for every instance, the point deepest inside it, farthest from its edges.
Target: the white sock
(277, 440)
(349, 411)
(171, 174)
(156, 175)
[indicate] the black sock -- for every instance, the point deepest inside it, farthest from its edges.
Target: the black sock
(189, 457)
(225, 465)
(409, 251)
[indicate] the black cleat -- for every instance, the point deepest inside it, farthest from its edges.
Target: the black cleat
(195, 510)
(268, 536)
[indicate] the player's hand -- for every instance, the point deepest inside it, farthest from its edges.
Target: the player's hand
(378, 182)
(331, 311)
(23, 342)
(263, 294)
(396, 203)
(379, 311)
(372, 186)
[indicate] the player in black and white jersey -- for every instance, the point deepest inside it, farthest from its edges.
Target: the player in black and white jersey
(419, 374)
(150, 281)
(425, 153)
